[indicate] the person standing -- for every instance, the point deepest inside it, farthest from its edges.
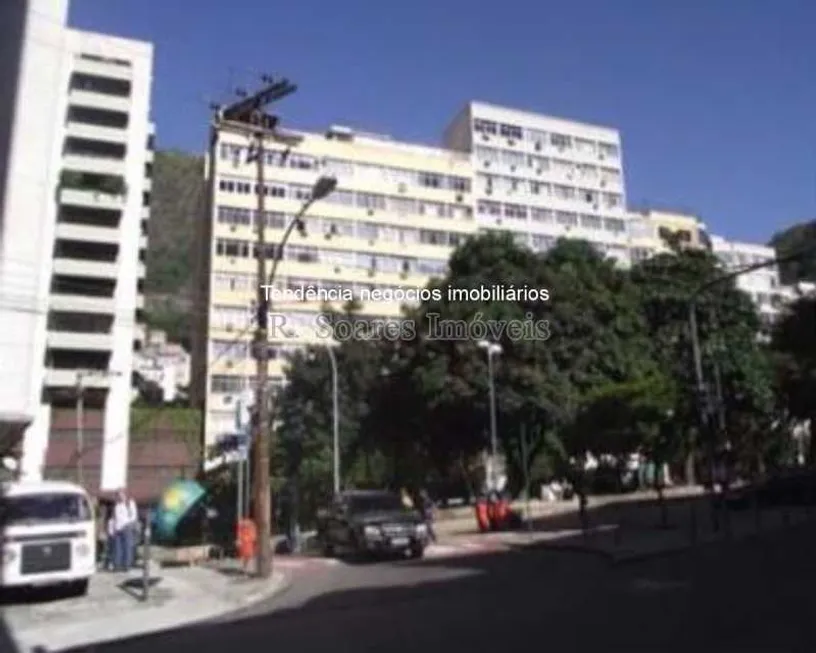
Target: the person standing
(426, 506)
(120, 528)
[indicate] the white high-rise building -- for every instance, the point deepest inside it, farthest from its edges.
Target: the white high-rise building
(543, 178)
(75, 167)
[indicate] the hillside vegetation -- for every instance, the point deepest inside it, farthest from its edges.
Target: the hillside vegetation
(178, 202)
(799, 237)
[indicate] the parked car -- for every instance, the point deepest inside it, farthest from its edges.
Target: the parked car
(371, 523)
(47, 535)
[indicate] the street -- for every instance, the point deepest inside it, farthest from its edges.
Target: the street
(751, 596)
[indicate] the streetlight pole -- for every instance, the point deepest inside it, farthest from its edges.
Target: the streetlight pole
(80, 424)
(492, 349)
(335, 419)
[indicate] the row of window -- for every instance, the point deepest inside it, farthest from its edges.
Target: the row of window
(344, 169)
(519, 162)
(337, 258)
(368, 201)
(242, 349)
(335, 227)
(564, 218)
(235, 318)
(730, 260)
(235, 385)
(541, 139)
(489, 184)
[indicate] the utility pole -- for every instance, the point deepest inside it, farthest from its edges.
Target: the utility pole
(248, 116)
(80, 424)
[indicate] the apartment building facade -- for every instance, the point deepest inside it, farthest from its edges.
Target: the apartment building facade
(542, 178)
(396, 215)
(75, 214)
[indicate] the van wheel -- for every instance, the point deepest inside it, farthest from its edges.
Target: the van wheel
(78, 588)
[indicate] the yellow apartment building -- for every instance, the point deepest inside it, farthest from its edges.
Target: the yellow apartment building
(398, 212)
(661, 225)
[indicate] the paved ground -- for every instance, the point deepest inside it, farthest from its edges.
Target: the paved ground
(748, 597)
(115, 606)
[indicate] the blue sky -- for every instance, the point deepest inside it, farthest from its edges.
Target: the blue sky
(715, 99)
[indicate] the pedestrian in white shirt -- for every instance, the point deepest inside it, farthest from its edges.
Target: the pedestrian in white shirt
(133, 532)
(121, 529)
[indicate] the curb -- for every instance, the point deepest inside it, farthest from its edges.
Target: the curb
(71, 635)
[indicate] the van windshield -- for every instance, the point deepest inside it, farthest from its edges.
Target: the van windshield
(44, 508)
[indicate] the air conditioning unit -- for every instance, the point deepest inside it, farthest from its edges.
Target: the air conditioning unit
(337, 269)
(229, 364)
(232, 228)
(460, 197)
(370, 211)
(603, 183)
(232, 261)
(538, 146)
(402, 188)
(372, 272)
(372, 241)
(487, 164)
(485, 137)
(512, 168)
(539, 171)
(228, 328)
(510, 141)
(488, 191)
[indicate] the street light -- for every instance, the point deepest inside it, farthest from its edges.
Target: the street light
(335, 419)
(492, 349)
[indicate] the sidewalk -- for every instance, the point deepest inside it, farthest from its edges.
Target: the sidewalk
(620, 543)
(462, 520)
(114, 609)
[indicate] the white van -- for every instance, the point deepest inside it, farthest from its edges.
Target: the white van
(48, 535)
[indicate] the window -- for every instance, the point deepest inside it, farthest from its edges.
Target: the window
(541, 215)
(566, 219)
(489, 208)
(402, 205)
(341, 197)
(585, 146)
(564, 192)
(591, 222)
(300, 192)
(302, 162)
(513, 159)
(612, 200)
(560, 141)
(615, 225)
(370, 201)
(430, 180)
(515, 211)
(302, 254)
(485, 126)
(461, 184)
(98, 117)
(232, 248)
(608, 150)
(432, 237)
(338, 168)
(368, 230)
(229, 385)
(511, 132)
(230, 349)
(233, 216)
(39, 509)
(542, 243)
(589, 196)
(98, 84)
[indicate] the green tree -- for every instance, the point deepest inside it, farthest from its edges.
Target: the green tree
(795, 346)
(727, 322)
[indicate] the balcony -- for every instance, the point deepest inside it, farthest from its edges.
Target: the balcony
(62, 378)
(94, 164)
(87, 233)
(82, 304)
(79, 341)
(102, 68)
(76, 268)
(99, 100)
(91, 198)
(143, 241)
(95, 132)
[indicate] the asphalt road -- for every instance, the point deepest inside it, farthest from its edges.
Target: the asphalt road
(752, 597)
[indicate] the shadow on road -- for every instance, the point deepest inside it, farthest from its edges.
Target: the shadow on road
(749, 596)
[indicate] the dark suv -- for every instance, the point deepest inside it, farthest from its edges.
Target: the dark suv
(372, 523)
